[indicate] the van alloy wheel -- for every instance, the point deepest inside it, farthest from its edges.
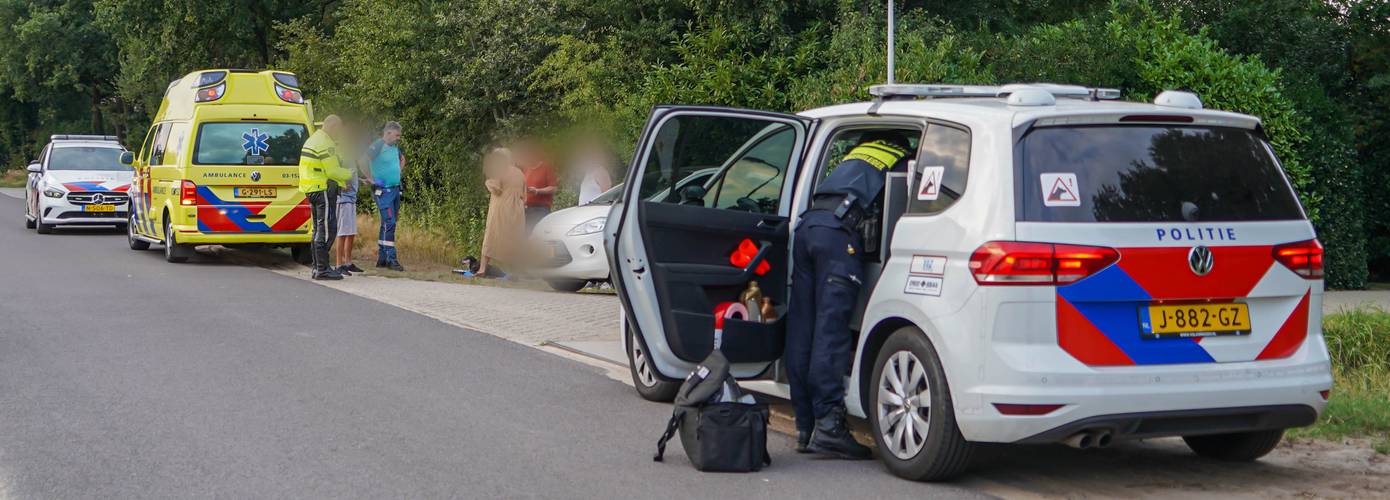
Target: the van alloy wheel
(642, 365)
(649, 384)
(904, 405)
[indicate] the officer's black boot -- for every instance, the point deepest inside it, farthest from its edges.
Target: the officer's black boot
(803, 441)
(832, 437)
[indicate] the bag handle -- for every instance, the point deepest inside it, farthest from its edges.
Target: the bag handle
(671, 428)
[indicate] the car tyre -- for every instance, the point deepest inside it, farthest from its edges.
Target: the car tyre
(130, 236)
(41, 227)
(302, 254)
(650, 385)
(28, 223)
(1236, 446)
(916, 377)
(566, 285)
(174, 252)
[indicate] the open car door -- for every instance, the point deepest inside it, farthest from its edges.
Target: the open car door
(670, 240)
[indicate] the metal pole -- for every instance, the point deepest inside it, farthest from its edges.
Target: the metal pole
(891, 44)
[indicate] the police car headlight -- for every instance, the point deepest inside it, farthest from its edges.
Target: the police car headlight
(590, 226)
(53, 193)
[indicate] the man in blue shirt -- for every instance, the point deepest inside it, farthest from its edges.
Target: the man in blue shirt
(387, 161)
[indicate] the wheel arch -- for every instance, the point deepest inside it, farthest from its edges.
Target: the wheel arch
(868, 352)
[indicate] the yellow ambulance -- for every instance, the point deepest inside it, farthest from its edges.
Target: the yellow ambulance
(219, 165)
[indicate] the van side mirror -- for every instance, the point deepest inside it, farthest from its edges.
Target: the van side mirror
(127, 158)
(34, 167)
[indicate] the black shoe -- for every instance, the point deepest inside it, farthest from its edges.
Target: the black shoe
(832, 437)
(396, 266)
(327, 274)
(803, 441)
(354, 268)
(343, 270)
(381, 264)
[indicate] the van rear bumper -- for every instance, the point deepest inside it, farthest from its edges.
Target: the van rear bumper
(208, 238)
(1183, 423)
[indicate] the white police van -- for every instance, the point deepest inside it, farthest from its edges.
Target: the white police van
(1055, 266)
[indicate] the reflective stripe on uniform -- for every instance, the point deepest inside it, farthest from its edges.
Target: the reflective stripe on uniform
(387, 243)
(879, 154)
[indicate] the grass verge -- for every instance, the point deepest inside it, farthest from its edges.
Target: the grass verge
(14, 178)
(426, 255)
(1359, 342)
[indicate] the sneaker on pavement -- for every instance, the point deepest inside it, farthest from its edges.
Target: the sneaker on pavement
(343, 270)
(328, 275)
(396, 266)
(354, 268)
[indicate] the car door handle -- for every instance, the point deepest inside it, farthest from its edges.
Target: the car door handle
(639, 270)
(769, 224)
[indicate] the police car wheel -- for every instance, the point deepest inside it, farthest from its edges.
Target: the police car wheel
(1235, 447)
(648, 382)
(41, 227)
(910, 408)
(302, 254)
(28, 223)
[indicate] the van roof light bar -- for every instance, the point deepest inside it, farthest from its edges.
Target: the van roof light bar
(913, 91)
(77, 137)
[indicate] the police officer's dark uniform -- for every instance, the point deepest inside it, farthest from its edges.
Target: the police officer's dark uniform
(826, 280)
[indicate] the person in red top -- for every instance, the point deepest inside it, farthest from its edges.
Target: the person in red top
(541, 181)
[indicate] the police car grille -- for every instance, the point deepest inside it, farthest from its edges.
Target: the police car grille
(86, 197)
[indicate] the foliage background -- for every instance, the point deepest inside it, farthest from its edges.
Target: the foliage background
(465, 74)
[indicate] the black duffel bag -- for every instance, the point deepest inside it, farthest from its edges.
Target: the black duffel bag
(721, 428)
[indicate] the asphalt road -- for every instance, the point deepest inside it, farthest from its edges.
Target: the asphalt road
(124, 376)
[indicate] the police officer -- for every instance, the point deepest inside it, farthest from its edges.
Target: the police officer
(826, 280)
(320, 175)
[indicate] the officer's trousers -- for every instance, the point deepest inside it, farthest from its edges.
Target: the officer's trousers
(824, 291)
(323, 205)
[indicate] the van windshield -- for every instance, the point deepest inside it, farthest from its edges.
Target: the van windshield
(86, 158)
(1150, 173)
(249, 143)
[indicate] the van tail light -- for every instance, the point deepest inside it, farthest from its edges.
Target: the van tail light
(210, 93)
(1304, 258)
(1025, 410)
(188, 193)
(289, 95)
(1025, 263)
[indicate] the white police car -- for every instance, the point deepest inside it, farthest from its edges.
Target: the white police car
(1055, 266)
(78, 180)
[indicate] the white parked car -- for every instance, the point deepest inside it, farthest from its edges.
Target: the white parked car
(1055, 266)
(78, 180)
(571, 240)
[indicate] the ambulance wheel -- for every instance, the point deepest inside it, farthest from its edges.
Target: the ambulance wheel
(566, 285)
(174, 252)
(914, 421)
(41, 227)
(302, 254)
(134, 242)
(648, 382)
(1235, 447)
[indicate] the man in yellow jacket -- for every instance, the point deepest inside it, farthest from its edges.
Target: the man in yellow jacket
(320, 175)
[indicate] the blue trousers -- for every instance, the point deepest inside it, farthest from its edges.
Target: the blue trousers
(825, 288)
(388, 204)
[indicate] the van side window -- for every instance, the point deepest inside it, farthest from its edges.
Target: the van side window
(157, 153)
(733, 163)
(174, 145)
(943, 165)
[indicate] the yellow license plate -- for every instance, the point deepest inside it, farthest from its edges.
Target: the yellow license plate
(98, 208)
(1194, 320)
(254, 192)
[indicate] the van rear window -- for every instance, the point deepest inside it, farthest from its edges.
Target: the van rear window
(1151, 174)
(249, 143)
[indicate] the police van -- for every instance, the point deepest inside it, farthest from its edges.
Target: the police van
(1054, 266)
(220, 165)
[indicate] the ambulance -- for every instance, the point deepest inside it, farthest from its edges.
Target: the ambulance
(1054, 265)
(219, 165)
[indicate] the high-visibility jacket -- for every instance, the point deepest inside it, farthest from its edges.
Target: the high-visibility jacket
(318, 163)
(863, 172)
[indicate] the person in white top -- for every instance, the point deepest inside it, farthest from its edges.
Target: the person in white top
(592, 161)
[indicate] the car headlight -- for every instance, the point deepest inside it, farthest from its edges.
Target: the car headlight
(53, 193)
(590, 226)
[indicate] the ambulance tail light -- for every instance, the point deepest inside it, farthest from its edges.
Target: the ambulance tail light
(188, 193)
(1026, 263)
(289, 95)
(1304, 258)
(210, 94)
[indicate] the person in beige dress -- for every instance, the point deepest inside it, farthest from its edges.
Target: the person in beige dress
(506, 211)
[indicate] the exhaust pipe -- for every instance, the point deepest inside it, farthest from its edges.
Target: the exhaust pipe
(1103, 439)
(1080, 440)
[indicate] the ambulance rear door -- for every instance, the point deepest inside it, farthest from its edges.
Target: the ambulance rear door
(681, 250)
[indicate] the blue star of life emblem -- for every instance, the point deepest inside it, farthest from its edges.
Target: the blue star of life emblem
(255, 142)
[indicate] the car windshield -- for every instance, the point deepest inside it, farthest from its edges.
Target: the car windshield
(608, 197)
(249, 143)
(86, 158)
(1150, 173)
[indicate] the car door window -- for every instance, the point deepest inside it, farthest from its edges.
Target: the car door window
(748, 157)
(943, 165)
(157, 146)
